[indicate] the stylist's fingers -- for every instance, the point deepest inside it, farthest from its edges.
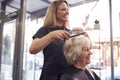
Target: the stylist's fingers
(86, 34)
(64, 34)
(60, 36)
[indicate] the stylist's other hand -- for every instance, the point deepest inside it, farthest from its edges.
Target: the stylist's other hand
(79, 30)
(60, 34)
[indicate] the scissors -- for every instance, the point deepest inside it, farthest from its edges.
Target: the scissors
(74, 35)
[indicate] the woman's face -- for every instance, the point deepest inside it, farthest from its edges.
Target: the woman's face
(62, 13)
(85, 56)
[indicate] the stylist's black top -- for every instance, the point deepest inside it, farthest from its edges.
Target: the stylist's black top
(54, 60)
(73, 73)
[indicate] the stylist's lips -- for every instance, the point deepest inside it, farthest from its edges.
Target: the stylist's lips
(66, 16)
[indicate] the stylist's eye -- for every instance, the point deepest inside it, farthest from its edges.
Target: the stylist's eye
(64, 9)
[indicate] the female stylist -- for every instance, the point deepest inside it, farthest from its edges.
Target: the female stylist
(50, 38)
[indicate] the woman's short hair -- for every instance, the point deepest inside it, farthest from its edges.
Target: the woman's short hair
(50, 18)
(73, 47)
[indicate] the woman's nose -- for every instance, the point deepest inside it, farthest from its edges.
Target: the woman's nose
(90, 52)
(67, 12)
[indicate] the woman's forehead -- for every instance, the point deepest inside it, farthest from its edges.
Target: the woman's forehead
(87, 46)
(62, 5)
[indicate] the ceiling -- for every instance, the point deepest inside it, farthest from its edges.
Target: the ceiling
(37, 8)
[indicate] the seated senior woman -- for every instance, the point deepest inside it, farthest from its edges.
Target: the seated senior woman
(77, 51)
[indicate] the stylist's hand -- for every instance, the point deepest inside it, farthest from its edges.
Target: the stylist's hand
(60, 34)
(78, 30)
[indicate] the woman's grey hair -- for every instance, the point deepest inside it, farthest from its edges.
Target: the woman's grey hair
(73, 47)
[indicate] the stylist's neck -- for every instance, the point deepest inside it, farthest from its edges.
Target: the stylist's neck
(60, 24)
